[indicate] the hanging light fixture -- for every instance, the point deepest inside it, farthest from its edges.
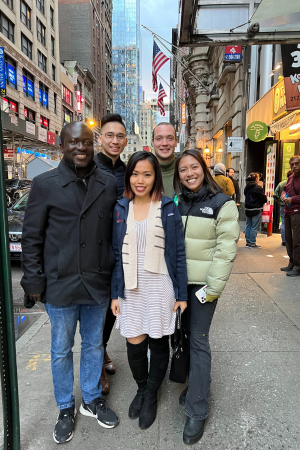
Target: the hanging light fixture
(206, 149)
(220, 149)
(278, 66)
(271, 74)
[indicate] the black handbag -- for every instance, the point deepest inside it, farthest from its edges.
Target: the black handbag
(180, 363)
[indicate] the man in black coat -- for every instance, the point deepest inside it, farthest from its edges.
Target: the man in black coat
(67, 260)
(113, 141)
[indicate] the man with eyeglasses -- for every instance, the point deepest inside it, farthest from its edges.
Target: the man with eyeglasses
(164, 143)
(113, 141)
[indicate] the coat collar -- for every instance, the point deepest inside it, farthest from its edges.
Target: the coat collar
(124, 202)
(201, 195)
(66, 175)
(107, 161)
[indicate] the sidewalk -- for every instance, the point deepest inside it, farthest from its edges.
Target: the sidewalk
(255, 340)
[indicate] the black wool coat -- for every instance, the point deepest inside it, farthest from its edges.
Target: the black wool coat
(66, 239)
(117, 170)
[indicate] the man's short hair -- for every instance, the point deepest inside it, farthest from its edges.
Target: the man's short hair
(65, 128)
(112, 118)
(230, 168)
(163, 123)
(294, 157)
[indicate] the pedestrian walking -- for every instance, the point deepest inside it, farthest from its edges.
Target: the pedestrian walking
(291, 197)
(210, 220)
(149, 281)
(164, 142)
(224, 182)
(67, 261)
(277, 197)
(237, 195)
(255, 199)
(113, 141)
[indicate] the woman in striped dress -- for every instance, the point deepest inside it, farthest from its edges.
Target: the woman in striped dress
(149, 281)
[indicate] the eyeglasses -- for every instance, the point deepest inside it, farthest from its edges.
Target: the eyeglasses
(120, 137)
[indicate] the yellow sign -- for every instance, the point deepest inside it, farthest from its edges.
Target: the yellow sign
(279, 100)
(182, 112)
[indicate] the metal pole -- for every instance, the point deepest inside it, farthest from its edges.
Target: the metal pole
(8, 365)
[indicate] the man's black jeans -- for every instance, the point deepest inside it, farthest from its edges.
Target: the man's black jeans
(292, 239)
(199, 317)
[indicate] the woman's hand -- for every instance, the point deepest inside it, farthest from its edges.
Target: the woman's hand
(182, 305)
(115, 307)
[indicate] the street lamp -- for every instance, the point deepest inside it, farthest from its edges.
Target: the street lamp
(91, 123)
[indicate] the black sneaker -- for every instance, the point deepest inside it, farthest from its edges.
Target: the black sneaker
(105, 416)
(64, 427)
(287, 268)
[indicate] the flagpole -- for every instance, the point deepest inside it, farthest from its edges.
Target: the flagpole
(177, 59)
(183, 101)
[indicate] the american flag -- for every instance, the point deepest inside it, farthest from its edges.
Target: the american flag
(160, 99)
(159, 59)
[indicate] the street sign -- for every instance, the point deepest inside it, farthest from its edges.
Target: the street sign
(257, 131)
(2, 73)
(8, 153)
(233, 53)
(235, 144)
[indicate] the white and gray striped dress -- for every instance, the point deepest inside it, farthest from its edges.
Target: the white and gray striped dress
(148, 309)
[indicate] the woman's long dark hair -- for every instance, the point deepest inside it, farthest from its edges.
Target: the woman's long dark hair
(156, 191)
(212, 186)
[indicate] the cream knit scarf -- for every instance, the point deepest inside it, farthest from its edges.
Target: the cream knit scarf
(155, 246)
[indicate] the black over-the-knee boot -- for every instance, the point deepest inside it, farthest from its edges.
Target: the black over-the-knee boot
(138, 362)
(158, 366)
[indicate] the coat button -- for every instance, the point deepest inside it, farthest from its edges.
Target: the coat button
(82, 272)
(83, 216)
(82, 244)
(100, 242)
(99, 269)
(101, 215)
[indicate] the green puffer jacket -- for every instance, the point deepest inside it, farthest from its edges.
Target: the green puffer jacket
(211, 235)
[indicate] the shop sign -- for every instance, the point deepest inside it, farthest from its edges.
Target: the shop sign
(257, 131)
(287, 153)
(279, 100)
(75, 78)
(30, 88)
(233, 53)
(45, 122)
(235, 144)
(30, 128)
(51, 138)
(24, 83)
(8, 153)
(182, 112)
(291, 73)
(2, 73)
(11, 74)
(42, 134)
(283, 123)
(78, 103)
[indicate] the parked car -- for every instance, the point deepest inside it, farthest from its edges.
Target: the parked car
(15, 184)
(15, 225)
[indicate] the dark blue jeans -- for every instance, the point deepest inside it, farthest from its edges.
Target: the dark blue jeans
(63, 327)
(199, 317)
(252, 227)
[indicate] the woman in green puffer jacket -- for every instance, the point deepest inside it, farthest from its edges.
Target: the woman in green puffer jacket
(211, 230)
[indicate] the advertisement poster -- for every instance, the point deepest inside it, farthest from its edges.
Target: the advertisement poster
(270, 172)
(287, 153)
(2, 72)
(291, 73)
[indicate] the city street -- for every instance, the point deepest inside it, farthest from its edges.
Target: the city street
(255, 341)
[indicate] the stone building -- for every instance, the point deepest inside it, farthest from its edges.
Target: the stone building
(146, 123)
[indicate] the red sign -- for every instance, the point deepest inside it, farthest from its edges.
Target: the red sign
(51, 138)
(233, 53)
(25, 112)
(78, 97)
(46, 123)
(8, 153)
(41, 120)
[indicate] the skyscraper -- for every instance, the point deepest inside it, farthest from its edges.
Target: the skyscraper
(126, 60)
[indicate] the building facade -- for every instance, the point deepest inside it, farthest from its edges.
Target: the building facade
(92, 49)
(146, 124)
(32, 103)
(126, 60)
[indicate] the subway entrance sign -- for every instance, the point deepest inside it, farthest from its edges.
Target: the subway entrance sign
(233, 53)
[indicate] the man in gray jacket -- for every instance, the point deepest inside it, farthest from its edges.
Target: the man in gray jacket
(67, 260)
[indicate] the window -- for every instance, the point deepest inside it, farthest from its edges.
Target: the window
(44, 122)
(10, 3)
(10, 72)
(26, 14)
(52, 17)
(67, 95)
(42, 61)
(43, 95)
(26, 46)
(28, 84)
(41, 5)
(53, 72)
(7, 27)
(67, 115)
(29, 114)
(52, 45)
(9, 106)
(55, 103)
(41, 32)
